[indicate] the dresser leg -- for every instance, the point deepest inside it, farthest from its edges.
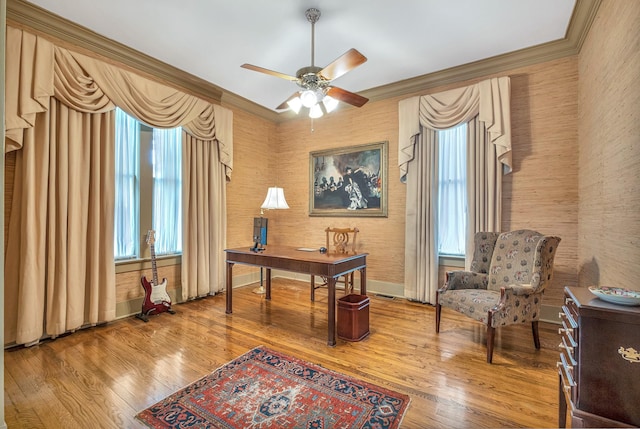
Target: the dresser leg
(562, 406)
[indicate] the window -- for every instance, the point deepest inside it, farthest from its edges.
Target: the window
(148, 188)
(127, 169)
(167, 190)
(452, 190)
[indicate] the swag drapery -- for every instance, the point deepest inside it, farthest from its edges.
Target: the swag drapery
(486, 108)
(59, 117)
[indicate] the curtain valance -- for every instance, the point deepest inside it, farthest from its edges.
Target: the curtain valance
(37, 70)
(489, 100)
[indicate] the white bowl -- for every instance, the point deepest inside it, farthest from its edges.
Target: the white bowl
(616, 295)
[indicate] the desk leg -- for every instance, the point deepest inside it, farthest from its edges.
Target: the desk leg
(313, 288)
(229, 287)
(331, 313)
(363, 281)
(268, 282)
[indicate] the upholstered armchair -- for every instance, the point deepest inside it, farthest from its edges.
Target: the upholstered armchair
(509, 273)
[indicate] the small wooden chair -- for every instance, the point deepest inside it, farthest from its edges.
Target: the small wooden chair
(339, 241)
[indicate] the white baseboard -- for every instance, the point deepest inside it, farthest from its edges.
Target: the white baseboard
(373, 286)
(134, 306)
(549, 313)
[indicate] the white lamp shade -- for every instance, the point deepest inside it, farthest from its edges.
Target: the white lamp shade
(315, 111)
(330, 103)
(308, 98)
(275, 199)
(295, 104)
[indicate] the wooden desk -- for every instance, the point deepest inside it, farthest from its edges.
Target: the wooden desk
(288, 258)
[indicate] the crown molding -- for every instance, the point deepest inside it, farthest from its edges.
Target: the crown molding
(76, 36)
(234, 100)
(583, 15)
(46, 23)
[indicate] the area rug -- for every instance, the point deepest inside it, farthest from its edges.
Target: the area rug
(267, 389)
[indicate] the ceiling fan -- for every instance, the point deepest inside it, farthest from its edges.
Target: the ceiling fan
(316, 91)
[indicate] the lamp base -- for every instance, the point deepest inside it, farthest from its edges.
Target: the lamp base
(260, 290)
(257, 247)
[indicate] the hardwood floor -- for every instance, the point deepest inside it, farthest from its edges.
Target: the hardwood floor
(102, 376)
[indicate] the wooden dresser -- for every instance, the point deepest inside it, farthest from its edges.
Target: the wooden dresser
(599, 367)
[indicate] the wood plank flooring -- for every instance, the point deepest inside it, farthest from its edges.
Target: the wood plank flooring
(102, 376)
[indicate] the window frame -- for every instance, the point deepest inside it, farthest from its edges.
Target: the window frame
(453, 257)
(144, 210)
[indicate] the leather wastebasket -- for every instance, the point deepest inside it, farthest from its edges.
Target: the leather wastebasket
(353, 317)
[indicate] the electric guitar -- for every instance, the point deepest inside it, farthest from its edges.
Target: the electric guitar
(156, 299)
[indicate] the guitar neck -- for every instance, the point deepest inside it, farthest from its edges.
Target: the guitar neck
(154, 269)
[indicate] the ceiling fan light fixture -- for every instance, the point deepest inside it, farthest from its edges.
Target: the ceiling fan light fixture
(330, 103)
(308, 98)
(315, 82)
(315, 111)
(295, 104)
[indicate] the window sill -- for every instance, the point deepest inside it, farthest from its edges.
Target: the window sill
(451, 261)
(128, 265)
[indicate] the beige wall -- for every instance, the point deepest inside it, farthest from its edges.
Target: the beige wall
(541, 193)
(609, 160)
(585, 193)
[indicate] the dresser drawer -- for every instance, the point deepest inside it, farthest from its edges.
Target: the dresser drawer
(609, 385)
(598, 368)
(566, 378)
(568, 348)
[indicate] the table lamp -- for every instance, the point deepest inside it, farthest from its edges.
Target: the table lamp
(275, 200)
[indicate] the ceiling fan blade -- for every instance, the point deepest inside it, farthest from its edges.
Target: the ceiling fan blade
(346, 96)
(267, 71)
(349, 60)
(284, 104)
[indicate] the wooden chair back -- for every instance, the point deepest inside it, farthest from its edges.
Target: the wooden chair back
(341, 240)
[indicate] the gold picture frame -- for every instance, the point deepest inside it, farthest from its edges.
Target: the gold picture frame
(349, 181)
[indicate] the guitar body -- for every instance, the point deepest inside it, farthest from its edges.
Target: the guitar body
(156, 299)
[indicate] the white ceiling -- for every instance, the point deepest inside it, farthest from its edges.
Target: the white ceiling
(402, 39)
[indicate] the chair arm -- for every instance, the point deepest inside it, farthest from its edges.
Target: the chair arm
(520, 289)
(465, 280)
(518, 303)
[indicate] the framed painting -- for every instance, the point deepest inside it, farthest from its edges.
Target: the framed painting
(349, 181)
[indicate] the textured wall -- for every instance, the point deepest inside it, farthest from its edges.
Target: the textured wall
(609, 160)
(587, 193)
(540, 194)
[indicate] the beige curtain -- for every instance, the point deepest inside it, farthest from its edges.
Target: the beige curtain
(59, 268)
(488, 102)
(484, 185)
(204, 219)
(59, 112)
(421, 263)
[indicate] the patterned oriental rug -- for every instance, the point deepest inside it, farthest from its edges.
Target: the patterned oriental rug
(267, 389)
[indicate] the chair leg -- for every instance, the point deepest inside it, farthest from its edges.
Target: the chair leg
(438, 313)
(536, 335)
(349, 285)
(491, 333)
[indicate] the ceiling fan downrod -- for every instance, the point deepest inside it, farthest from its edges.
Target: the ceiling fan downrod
(313, 15)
